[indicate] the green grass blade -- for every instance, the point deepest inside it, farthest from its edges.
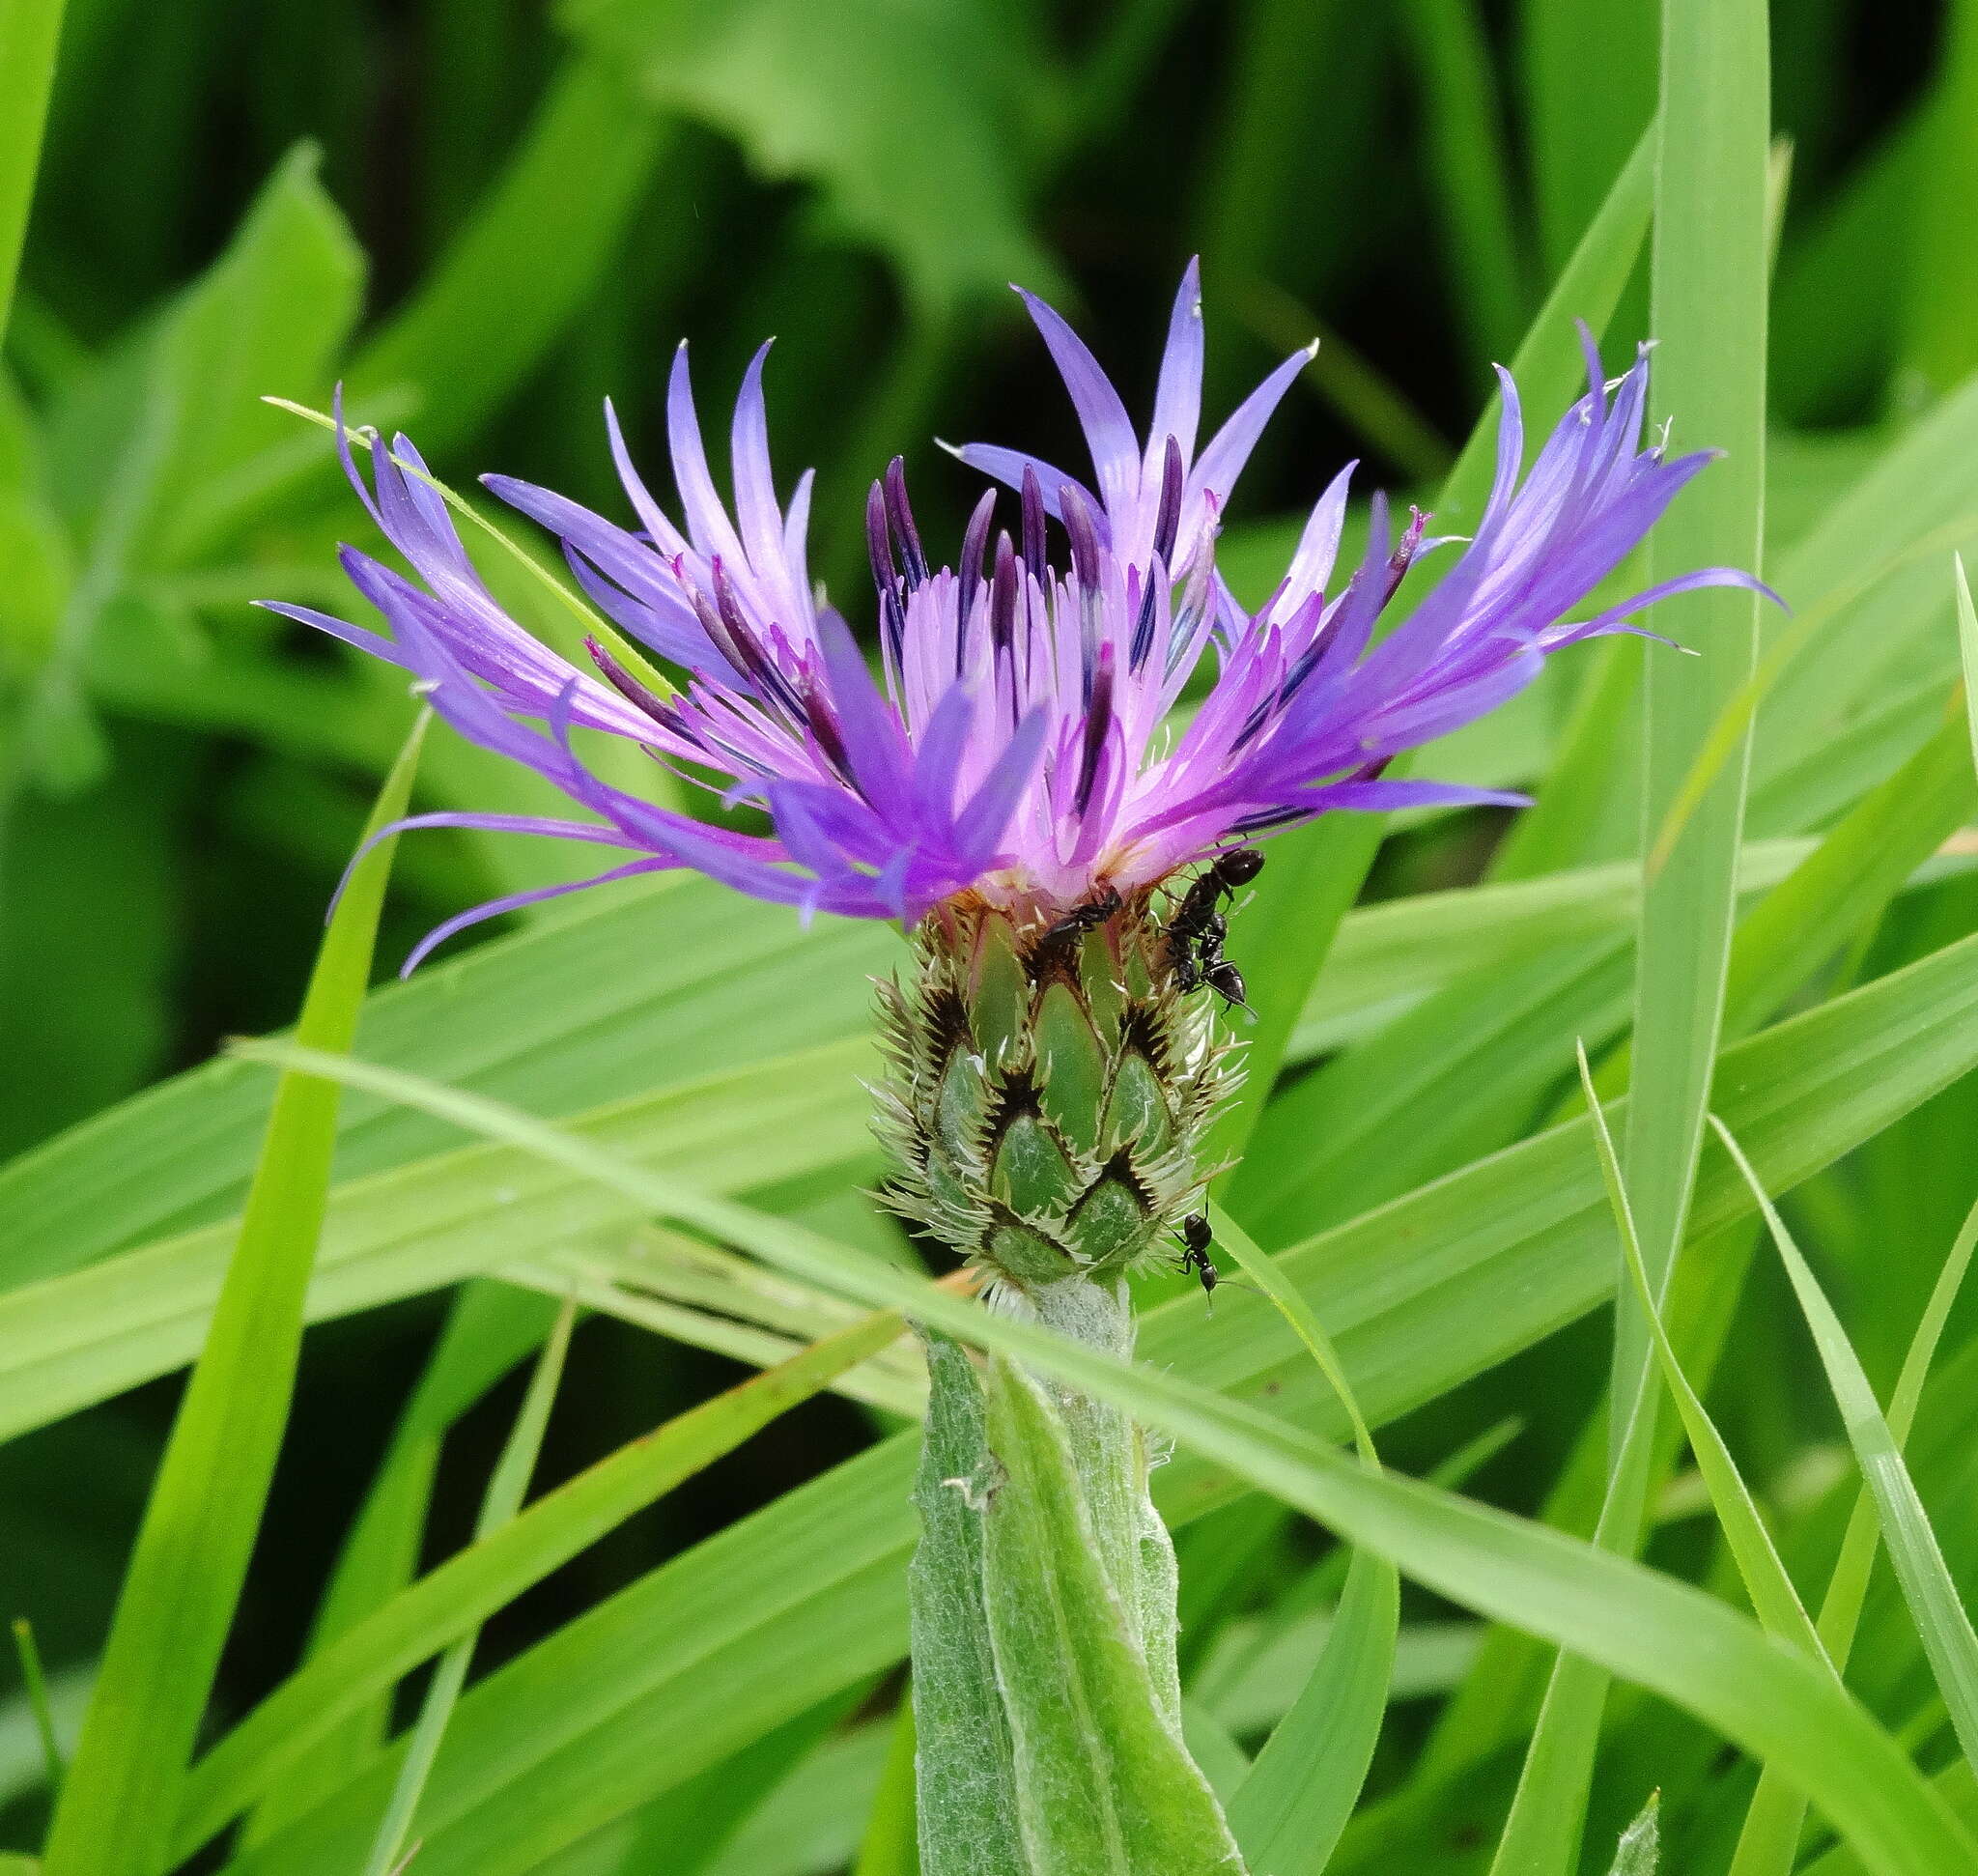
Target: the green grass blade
(1708, 283)
(1773, 1597)
(1708, 290)
(1941, 1622)
(1292, 1807)
(490, 1328)
(493, 1572)
(30, 30)
(1768, 1843)
(891, 1847)
(1669, 1636)
(506, 1487)
(1289, 1811)
(190, 1559)
(35, 1683)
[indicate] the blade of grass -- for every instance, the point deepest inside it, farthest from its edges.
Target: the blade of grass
(490, 1328)
(1292, 1806)
(890, 1847)
(472, 1586)
(1710, 287)
(506, 1486)
(1773, 1597)
(35, 1683)
(1668, 1635)
(30, 31)
(1768, 1843)
(191, 1554)
(1708, 284)
(1942, 1624)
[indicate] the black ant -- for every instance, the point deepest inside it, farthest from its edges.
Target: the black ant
(1198, 931)
(1197, 1235)
(1063, 937)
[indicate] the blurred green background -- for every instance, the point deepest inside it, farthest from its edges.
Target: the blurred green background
(485, 216)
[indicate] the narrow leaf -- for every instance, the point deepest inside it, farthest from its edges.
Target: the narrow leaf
(186, 1574)
(1942, 1621)
(500, 1504)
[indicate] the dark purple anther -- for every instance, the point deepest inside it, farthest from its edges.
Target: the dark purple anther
(1098, 721)
(637, 694)
(886, 577)
(1143, 620)
(902, 516)
(1084, 536)
(1167, 517)
(1003, 596)
(1034, 526)
(973, 542)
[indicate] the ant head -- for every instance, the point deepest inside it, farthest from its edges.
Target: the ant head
(1240, 866)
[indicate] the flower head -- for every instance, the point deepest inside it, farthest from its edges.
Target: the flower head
(1027, 739)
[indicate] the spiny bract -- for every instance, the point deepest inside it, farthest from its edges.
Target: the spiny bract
(1048, 1092)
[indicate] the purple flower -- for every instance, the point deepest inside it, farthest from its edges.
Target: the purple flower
(1027, 738)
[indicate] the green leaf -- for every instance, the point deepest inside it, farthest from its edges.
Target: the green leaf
(1941, 1622)
(500, 1502)
(1289, 1813)
(1671, 1637)
(1639, 1852)
(192, 1554)
(1708, 285)
(1103, 1781)
(1773, 1597)
(1769, 1844)
(911, 118)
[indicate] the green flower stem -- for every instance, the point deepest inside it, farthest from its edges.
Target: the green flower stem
(1050, 1091)
(1043, 1609)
